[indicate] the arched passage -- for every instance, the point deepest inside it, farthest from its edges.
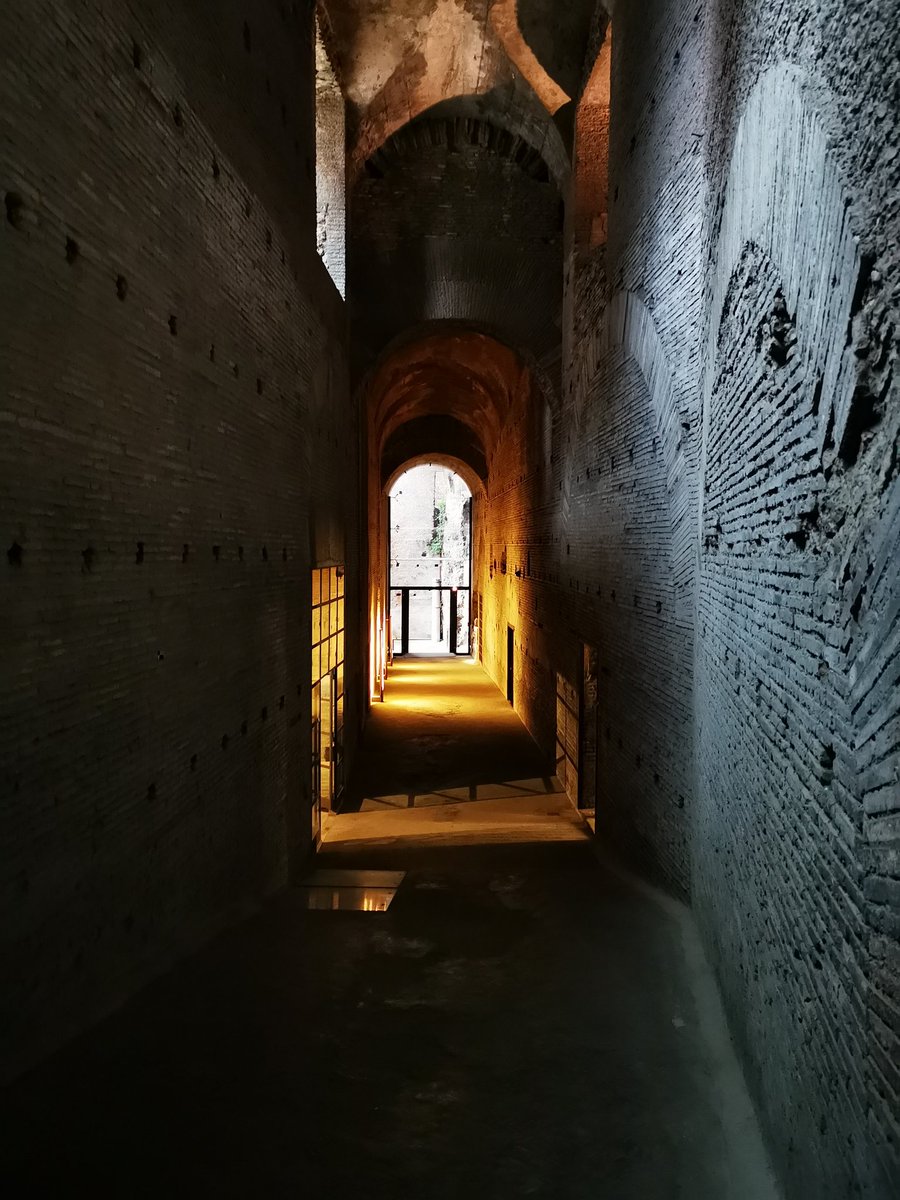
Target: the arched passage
(444, 397)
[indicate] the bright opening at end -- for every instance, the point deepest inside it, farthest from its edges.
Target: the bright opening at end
(430, 562)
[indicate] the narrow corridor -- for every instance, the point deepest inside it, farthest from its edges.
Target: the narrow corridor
(522, 1021)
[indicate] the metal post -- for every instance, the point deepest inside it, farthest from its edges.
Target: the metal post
(404, 621)
(453, 603)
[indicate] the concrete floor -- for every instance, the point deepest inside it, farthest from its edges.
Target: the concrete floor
(523, 1021)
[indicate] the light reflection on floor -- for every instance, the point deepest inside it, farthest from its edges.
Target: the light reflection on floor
(350, 891)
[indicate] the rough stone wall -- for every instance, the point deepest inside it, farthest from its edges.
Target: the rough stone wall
(175, 456)
(798, 731)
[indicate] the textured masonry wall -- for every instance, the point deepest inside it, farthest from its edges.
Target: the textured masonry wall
(766, 281)
(799, 576)
(174, 458)
(449, 224)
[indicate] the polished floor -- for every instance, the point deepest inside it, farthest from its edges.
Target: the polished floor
(523, 1020)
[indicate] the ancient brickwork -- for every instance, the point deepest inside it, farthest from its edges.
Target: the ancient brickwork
(797, 658)
(175, 454)
(455, 220)
(719, 517)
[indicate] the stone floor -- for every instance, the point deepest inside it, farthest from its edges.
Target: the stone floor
(524, 1020)
(443, 725)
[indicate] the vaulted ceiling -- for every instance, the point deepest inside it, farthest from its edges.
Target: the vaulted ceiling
(521, 61)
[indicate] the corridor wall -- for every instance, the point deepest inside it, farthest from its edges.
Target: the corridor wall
(174, 460)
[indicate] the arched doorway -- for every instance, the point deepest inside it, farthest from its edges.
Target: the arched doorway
(430, 561)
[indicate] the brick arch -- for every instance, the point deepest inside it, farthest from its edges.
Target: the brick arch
(458, 373)
(509, 104)
(457, 465)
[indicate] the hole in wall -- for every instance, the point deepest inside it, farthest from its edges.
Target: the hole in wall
(248, 40)
(236, 370)
(173, 325)
(14, 209)
(151, 792)
(216, 171)
(263, 713)
(863, 416)
(139, 553)
(72, 250)
(259, 386)
(826, 760)
(88, 556)
(121, 287)
(14, 555)
(856, 606)
(217, 550)
(178, 116)
(185, 551)
(240, 553)
(137, 56)
(268, 239)
(281, 702)
(284, 554)
(817, 395)
(265, 554)
(225, 741)
(193, 762)
(243, 728)
(212, 352)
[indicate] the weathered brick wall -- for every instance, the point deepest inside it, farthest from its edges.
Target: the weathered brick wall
(174, 457)
(797, 696)
(752, 282)
(721, 521)
(455, 220)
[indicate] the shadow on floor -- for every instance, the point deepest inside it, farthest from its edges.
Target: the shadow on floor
(519, 1023)
(444, 727)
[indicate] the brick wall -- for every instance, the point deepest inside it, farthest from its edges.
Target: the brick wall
(750, 285)
(175, 456)
(455, 220)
